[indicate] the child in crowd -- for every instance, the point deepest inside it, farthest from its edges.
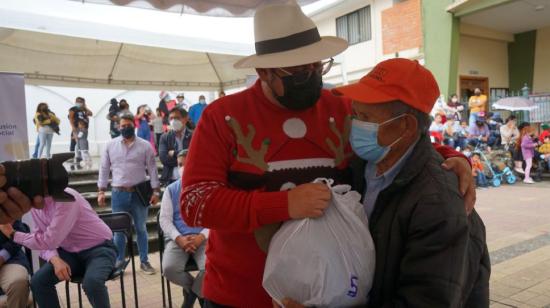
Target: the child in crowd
(468, 151)
(437, 124)
(544, 150)
(528, 151)
(462, 135)
(451, 132)
(477, 171)
(82, 143)
(158, 127)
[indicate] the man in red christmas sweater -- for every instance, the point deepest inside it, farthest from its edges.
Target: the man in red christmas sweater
(255, 153)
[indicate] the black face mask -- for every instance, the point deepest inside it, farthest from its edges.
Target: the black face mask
(479, 123)
(127, 132)
(301, 96)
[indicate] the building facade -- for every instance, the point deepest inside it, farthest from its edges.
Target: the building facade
(495, 45)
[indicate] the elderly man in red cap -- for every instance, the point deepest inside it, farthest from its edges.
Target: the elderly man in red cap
(429, 253)
(254, 154)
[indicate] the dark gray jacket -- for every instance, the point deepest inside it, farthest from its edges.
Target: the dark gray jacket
(428, 252)
(168, 143)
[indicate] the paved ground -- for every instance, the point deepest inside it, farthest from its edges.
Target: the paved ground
(517, 218)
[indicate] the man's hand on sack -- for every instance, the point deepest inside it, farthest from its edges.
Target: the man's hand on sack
(287, 303)
(14, 203)
(308, 200)
(466, 184)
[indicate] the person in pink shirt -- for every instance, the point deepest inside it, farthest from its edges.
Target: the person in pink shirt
(528, 151)
(75, 242)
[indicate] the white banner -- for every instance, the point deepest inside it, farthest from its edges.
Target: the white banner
(14, 143)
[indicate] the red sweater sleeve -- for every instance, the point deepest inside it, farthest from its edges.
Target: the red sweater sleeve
(206, 199)
(448, 152)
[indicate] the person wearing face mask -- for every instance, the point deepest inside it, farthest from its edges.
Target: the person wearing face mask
(255, 153)
(128, 158)
(79, 112)
(424, 257)
(477, 104)
(112, 116)
(180, 101)
(182, 242)
(172, 142)
(48, 124)
(196, 110)
(527, 145)
(479, 131)
(455, 107)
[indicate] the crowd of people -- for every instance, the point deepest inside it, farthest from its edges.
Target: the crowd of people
(486, 132)
(248, 166)
(75, 242)
(149, 125)
(71, 237)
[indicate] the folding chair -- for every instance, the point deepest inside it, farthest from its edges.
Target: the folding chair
(118, 222)
(189, 267)
(28, 254)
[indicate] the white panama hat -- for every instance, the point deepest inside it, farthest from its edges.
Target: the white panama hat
(285, 37)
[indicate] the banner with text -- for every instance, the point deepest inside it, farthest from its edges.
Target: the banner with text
(14, 143)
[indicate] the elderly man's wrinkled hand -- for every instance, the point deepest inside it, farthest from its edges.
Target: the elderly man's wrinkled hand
(466, 184)
(13, 202)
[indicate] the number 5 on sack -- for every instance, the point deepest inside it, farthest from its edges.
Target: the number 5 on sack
(353, 290)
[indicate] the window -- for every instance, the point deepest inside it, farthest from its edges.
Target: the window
(355, 27)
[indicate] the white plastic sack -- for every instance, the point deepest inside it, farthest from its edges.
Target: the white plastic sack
(323, 262)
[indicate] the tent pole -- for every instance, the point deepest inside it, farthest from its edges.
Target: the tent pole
(215, 71)
(114, 64)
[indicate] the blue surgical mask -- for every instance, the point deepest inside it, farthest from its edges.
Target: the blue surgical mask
(364, 140)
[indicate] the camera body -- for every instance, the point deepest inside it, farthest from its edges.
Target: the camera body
(39, 177)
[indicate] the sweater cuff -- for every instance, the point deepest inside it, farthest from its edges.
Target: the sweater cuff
(448, 152)
(271, 207)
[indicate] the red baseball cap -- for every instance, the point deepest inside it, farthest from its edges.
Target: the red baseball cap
(395, 79)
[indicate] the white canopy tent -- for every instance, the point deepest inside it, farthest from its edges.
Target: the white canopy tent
(86, 43)
(230, 8)
(100, 50)
(49, 59)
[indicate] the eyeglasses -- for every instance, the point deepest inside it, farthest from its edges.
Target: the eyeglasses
(301, 76)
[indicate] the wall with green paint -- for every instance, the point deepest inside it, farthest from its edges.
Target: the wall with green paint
(440, 46)
(521, 60)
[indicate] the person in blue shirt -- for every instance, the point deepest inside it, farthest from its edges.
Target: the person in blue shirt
(14, 270)
(183, 242)
(143, 116)
(196, 110)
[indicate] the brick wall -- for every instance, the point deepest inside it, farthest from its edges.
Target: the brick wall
(402, 27)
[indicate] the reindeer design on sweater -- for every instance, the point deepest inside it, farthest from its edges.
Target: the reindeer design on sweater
(284, 174)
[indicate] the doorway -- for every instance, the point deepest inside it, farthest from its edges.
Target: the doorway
(469, 83)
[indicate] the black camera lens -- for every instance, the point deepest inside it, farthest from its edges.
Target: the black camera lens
(39, 177)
